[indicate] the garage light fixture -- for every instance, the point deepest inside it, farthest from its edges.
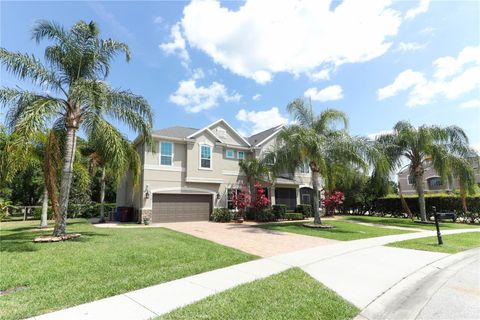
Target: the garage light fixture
(147, 192)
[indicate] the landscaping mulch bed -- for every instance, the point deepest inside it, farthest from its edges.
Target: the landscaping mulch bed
(50, 238)
(318, 226)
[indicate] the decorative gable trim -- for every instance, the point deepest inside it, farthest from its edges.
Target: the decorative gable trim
(227, 125)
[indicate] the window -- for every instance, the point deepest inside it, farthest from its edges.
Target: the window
(305, 167)
(230, 194)
(230, 154)
(205, 156)
(241, 155)
(434, 183)
(411, 179)
(166, 153)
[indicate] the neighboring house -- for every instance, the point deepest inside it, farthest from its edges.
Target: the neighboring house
(432, 181)
(196, 170)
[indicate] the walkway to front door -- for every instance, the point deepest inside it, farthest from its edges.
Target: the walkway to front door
(245, 237)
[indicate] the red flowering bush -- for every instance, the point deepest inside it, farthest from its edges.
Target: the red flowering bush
(241, 200)
(261, 201)
(332, 200)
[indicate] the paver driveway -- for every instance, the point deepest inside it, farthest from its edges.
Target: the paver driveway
(245, 237)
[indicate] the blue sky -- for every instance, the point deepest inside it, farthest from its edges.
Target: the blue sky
(195, 62)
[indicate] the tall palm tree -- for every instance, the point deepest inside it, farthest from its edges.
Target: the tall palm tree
(316, 139)
(444, 148)
(77, 62)
(112, 165)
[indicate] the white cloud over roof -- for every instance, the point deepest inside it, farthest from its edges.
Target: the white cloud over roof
(262, 38)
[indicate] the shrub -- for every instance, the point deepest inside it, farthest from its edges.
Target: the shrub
(392, 205)
(221, 215)
(279, 211)
(294, 216)
(250, 213)
(265, 215)
(305, 209)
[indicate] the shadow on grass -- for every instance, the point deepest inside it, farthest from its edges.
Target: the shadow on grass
(23, 241)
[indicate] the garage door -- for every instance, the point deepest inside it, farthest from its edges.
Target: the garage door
(181, 207)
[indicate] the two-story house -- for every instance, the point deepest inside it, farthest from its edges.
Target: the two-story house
(196, 170)
(432, 182)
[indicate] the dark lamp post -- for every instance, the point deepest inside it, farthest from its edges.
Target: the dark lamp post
(439, 235)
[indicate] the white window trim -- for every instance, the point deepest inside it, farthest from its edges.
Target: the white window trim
(408, 180)
(160, 153)
(200, 156)
(233, 154)
(238, 155)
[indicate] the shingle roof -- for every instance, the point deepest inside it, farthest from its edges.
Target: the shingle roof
(259, 137)
(175, 132)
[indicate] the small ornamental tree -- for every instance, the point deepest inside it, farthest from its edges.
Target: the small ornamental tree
(241, 200)
(260, 201)
(332, 200)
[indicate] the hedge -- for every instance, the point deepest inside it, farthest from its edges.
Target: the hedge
(305, 209)
(221, 215)
(279, 211)
(294, 216)
(393, 206)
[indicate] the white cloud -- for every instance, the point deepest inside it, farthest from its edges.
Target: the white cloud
(330, 93)
(373, 136)
(411, 46)
(452, 79)
(427, 30)
(177, 45)
(256, 121)
(323, 74)
(158, 20)
(476, 147)
(262, 38)
(198, 74)
(404, 81)
(197, 98)
(256, 97)
(475, 103)
(422, 7)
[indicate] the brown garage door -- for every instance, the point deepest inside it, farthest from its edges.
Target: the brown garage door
(181, 207)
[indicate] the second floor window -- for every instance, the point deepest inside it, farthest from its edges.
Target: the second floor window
(305, 167)
(205, 156)
(230, 154)
(241, 155)
(166, 153)
(411, 179)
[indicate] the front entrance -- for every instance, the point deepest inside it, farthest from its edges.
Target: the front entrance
(306, 196)
(181, 207)
(286, 196)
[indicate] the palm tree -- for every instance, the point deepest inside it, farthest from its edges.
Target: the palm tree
(444, 148)
(315, 138)
(75, 95)
(254, 170)
(112, 164)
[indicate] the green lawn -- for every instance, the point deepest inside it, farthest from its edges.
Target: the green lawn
(405, 222)
(344, 231)
(292, 294)
(102, 263)
(452, 243)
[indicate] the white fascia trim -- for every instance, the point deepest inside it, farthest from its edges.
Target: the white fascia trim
(163, 168)
(217, 122)
(186, 190)
(271, 136)
(232, 173)
(206, 180)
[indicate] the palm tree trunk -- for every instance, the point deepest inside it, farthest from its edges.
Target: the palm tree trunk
(102, 196)
(421, 196)
(66, 181)
(404, 203)
(43, 217)
(316, 212)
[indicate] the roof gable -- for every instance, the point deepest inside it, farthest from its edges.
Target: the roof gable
(228, 127)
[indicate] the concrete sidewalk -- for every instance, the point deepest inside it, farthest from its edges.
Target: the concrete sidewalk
(361, 271)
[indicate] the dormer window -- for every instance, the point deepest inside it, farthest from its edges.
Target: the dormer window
(166, 153)
(205, 156)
